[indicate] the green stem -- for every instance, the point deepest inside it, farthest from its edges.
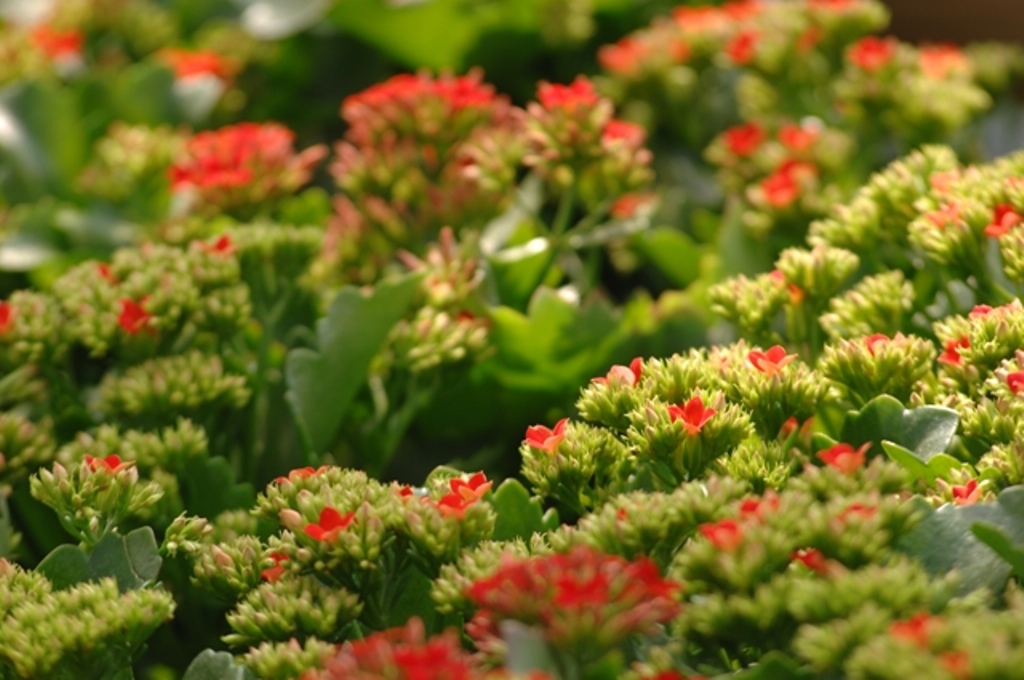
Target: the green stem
(563, 217)
(258, 423)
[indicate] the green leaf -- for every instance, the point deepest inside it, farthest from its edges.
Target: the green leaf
(412, 598)
(65, 566)
(277, 19)
(322, 383)
(556, 347)
(134, 560)
(925, 431)
(945, 541)
(143, 94)
(528, 651)
(517, 270)
(43, 145)
(909, 461)
(441, 34)
(519, 514)
(774, 666)
(672, 252)
(211, 665)
(209, 487)
(996, 539)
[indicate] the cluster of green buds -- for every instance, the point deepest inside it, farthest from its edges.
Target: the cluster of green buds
(92, 498)
(448, 325)
(661, 422)
(50, 632)
(574, 142)
(130, 163)
(346, 549)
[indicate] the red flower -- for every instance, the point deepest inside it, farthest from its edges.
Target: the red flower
(472, 489)
(857, 510)
(579, 93)
(796, 293)
(771, 362)
(726, 535)
(330, 525)
(809, 38)
(951, 355)
(403, 653)
(915, 630)
(6, 317)
(620, 130)
(743, 140)
(622, 375)
(812, 558)
(453, 505)
(966, 494)
(980, 310)
(742, 47)
(835, 5)
(190, 63)
(1005, 218)
(134, 318)
(103, 269)
(701, 19)
(222, 246)
(544, 438)
(693, 415)
(627, 205)
(797, 139)
(942, 182)
(781, 188)
(956, 663)
(111, 464)
(260, 158)
(300, 473)
(844, 457)
(757, 508)
(624, 57)
(872, 342)
(871, 53)
(1015, 381)
(57, 44)
(577, 596)
(939, 61)
(273, 574)
(947, 215)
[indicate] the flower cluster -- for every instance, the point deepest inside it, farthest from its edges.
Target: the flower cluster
(421, 153)
(241, 168)
(585, 603)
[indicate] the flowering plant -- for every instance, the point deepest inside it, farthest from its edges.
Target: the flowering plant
(431, 380)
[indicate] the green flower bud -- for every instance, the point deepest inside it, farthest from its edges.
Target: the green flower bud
(762, 465)
(449, 589)
(192, 384)
(678, 442)
(866, 368)
(877, 304)
(189, 535)
(577, 466)
(95, 496)
(291, 607)
(820, 273)
(24, 445)
(753, 305)
(287, 660)
(88, 625)
(30, 330)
